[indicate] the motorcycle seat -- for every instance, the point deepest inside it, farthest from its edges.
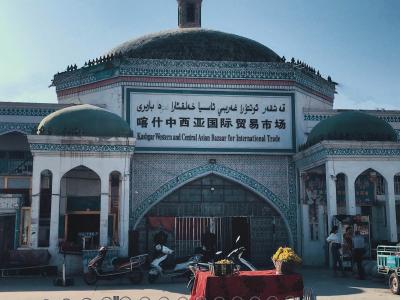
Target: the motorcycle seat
(119, 261)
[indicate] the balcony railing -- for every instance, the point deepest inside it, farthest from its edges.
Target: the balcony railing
(16, 166)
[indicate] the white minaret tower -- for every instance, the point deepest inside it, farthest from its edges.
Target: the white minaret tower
(189, 13)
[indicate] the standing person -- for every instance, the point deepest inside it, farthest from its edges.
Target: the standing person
(358, 253)
(348, 241)
(347, 248)
(160, 238)
(334, 241)
(208, 243)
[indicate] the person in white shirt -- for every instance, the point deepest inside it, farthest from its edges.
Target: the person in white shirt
(358, 253)
(335, 244)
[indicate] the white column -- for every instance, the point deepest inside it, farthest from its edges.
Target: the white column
(35, 206)
(350, 195)
(124, 215)
(391, 208)
(104, 209)
(330, 192)
(55, 212)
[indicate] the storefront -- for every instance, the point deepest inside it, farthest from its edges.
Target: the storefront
(189, 130)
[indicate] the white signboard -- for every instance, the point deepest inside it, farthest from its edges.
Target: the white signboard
(238, 123)
(8, 203)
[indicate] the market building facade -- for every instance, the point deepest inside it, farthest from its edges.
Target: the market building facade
(188, 130)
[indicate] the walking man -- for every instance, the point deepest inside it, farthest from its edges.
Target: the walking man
(358, 253)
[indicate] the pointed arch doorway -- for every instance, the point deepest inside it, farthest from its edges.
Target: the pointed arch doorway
(226, 207)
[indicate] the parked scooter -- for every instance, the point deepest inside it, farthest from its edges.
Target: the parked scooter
(235, 256)
(127, 267)
(165, 265)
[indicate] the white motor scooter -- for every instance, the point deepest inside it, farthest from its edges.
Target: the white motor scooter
(179, 267)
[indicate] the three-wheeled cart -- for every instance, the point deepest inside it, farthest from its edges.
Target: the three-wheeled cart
(388, 263)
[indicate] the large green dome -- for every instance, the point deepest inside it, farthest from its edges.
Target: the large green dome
(352, 126)
(84, 120)
(196, 44)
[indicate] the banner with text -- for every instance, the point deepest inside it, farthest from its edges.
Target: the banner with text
(197, 121)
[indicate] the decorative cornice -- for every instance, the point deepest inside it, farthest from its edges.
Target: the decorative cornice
(185, 70)
(17, 111)
(320, 117)
(312, 117)
(80, 147)
(322, 154)
(27, 128)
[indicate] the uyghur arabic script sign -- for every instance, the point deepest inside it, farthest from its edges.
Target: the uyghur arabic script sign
(202, 121)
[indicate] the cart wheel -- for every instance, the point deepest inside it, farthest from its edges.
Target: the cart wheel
(394, 283)
(90, 277)
(136, 276)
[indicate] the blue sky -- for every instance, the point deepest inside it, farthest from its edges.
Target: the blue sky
(356, 42)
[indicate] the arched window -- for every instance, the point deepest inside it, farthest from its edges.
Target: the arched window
(46, 178)
(114, 206)
(341, 193)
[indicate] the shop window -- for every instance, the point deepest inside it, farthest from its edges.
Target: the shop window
(315, 189)
(368, 186)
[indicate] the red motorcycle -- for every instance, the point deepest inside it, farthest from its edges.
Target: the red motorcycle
(123, 267)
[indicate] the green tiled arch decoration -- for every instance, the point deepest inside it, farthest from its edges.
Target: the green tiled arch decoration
(288, 213)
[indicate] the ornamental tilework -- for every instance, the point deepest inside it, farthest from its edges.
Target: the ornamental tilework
(36, 112)
(344, 152)
(157, 175)
(313, 117)
(27, 128)
(81, 148)
(195, 69)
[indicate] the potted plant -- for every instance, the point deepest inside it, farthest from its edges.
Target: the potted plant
(285, 260)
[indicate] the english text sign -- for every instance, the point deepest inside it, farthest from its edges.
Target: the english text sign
(169, 121)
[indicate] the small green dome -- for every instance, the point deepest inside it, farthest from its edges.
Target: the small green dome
(352, 126)
(84, 120)
(196, 44)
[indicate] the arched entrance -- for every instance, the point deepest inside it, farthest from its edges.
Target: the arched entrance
(226, 207)
(370, 194)
(80, 208)
(15, 191)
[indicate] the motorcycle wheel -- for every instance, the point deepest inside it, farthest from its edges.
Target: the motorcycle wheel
(90, 277)
(136, 276)
(152, 278)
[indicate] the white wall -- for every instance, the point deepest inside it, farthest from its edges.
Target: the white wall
(109, 98)
(307, 101)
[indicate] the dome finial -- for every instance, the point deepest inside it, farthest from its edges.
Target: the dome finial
(189, 13)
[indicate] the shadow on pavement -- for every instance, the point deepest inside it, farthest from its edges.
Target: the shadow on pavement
(323, 283)
(35, 284)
